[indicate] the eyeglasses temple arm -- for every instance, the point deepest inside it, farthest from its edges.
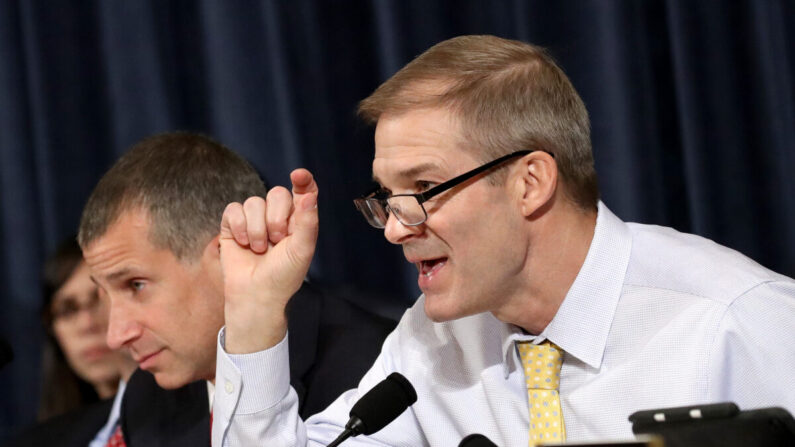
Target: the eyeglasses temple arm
(422, 197)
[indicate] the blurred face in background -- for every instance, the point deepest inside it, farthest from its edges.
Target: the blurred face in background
(79, 324)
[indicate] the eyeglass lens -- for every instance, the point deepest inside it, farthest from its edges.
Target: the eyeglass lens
(406, 209)
(373, 210)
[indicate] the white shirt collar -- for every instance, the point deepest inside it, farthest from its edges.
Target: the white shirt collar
(582, 323)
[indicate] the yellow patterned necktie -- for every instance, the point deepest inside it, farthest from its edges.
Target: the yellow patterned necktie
(541, 365)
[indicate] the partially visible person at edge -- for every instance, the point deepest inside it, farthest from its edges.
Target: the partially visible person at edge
(543, 318)
(81, 374)
(149, 233)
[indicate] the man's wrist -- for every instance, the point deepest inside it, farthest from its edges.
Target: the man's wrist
(253, 330)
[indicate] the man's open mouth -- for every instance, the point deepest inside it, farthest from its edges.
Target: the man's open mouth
(429, 266)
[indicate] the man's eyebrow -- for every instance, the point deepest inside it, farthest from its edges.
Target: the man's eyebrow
(411, 172)
(111, 277)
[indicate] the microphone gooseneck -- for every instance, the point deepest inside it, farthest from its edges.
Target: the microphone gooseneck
(378, 407)
(343, 436)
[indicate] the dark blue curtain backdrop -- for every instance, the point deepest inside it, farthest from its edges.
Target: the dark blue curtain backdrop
(691, 102)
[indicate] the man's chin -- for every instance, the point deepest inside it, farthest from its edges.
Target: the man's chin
(170, 381)
(438, 311)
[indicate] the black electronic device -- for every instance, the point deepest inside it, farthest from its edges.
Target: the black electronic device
(642, 441)
(478, 440)
(717, 425)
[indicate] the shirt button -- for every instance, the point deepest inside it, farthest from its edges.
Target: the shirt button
(229, 387)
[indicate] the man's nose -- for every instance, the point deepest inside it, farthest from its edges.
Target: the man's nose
(397, 233)
(122, 329)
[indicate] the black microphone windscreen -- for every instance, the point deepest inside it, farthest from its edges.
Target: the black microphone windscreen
(382, 404)
(476, 440)
(6, 353)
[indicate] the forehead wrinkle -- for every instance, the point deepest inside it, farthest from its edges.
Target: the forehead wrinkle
(111, 263)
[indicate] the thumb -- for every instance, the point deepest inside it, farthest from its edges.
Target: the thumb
(305, 226)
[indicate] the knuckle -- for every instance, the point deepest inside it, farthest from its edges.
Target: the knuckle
(278, 193)
(256, 229)
(254, 206)
(253, 201)
(237, 222)
(232, 208)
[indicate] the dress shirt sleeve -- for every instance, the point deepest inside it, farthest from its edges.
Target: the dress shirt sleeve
(753, 357)
(255, 404)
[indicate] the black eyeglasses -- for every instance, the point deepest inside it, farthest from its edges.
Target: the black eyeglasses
(407, 208)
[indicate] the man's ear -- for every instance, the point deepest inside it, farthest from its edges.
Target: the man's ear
(211, 251)
(536, 181)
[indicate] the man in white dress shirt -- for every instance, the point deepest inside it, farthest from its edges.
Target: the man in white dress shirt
(486, 180)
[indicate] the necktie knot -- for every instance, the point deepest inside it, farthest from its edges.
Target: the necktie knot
(541, 364)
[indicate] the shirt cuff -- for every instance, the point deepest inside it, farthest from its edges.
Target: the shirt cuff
(265, 375)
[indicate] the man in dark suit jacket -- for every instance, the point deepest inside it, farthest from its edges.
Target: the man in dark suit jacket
(149, 233)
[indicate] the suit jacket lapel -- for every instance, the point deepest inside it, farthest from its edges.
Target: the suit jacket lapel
(152, 416)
